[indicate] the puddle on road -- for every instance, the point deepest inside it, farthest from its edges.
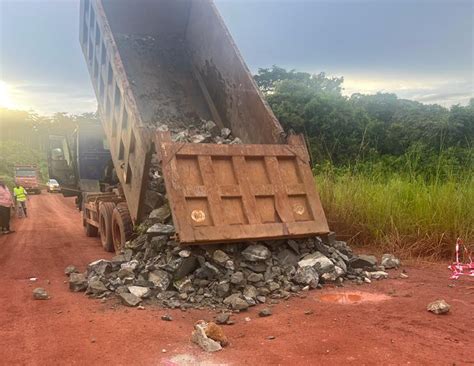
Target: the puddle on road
(347, 298)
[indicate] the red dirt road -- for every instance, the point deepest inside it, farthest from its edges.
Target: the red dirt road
(70, 329)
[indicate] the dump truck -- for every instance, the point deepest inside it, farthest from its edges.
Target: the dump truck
(28, 177)
(169, 62)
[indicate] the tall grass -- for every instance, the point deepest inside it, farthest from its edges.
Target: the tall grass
(401, 214)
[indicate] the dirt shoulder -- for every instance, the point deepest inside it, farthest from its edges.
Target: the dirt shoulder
(393, 328)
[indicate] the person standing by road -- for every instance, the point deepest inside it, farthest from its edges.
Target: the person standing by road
(20, 197)
(6, 203)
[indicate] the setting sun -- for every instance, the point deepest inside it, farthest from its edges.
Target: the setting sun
(6, 99)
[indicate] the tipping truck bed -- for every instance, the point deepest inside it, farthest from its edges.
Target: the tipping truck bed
(173, 62)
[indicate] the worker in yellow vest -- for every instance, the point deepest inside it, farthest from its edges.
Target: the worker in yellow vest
(20, 197)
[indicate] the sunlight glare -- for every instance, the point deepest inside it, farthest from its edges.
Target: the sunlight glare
(6, 100)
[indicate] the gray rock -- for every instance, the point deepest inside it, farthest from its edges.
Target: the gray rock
(265, 312)
(363, 261)
(77, 282)
(202, 340)
(307, 276)
(250, 292)
(70, 269)
(222, 318)
(256, 252)
(389, 261)
(255, 277)
(166, 317)
(318, 261)
(261, 299)
(287, 258)
(220, 257)
(237, 278)
(139, 291)
(438, 307)
(225, 133)
(236, 302)
(126, 273)
(129, 299)
(160, 229)
(99, 267)
(223, 289)
(161, 214)
(161, 279)
(95, 287)
(185, 267)
(378, 275)
(40, 293)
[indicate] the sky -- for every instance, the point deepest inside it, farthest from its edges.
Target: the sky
(418, 49)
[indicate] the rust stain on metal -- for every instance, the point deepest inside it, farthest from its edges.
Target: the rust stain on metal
(225, 193)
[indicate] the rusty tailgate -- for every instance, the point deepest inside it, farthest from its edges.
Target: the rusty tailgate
(228, 193)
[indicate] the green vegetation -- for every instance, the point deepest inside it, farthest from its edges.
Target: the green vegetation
(392, 173)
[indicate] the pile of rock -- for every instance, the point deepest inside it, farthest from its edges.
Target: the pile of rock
(155, 268)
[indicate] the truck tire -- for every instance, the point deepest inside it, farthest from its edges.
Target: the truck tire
(90, 230)
(122, 226)
(106, 210)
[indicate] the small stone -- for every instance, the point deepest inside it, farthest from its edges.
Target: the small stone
(184, 253)
(403, 275)
(161, 214)
(236, 302)
(270, 337)
(166, 317)
(164, 350)
(161, 279)
(389, 261)
(160, 229)
(220, 257)
(70, 269)
(225, 133)
(308, 312)
(200, 338)
(95, 287)
(363, 261)
(378, 275)
(237, 278)
(255, 277)
(247, 319)
(139, 291)
(40, 293)
(129, 299)
(265, 312)
(256, 252)
(222, 318)
(77, 282)
(438, 307)
(140, 307)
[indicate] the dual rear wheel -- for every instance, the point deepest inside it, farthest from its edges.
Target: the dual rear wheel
(115, 226)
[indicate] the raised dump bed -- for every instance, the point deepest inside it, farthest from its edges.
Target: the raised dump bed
(174, 63)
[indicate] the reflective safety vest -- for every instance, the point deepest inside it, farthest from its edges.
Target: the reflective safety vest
(19, 193)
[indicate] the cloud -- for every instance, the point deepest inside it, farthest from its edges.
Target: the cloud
(430, 90)
(51, 98)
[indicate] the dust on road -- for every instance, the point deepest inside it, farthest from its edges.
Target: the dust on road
(72, 329)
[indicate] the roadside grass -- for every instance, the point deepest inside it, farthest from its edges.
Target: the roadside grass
(400, 214)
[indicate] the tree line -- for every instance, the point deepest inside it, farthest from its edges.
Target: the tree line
(370, 131)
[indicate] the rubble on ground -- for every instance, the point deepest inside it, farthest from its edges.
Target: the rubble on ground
(438, 307)
(154, 268)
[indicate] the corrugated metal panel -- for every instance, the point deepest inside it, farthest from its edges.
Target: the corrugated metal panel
(223, 193)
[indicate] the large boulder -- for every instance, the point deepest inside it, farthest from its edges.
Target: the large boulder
(129, 299)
